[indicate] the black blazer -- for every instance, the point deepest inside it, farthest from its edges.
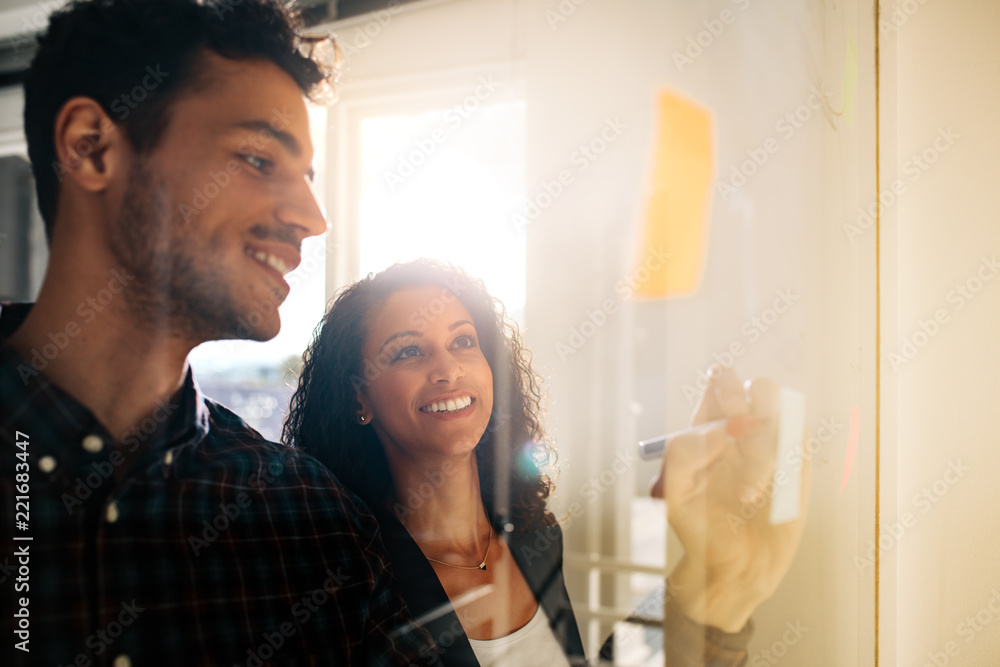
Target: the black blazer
(539, 556)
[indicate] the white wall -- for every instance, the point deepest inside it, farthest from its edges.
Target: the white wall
(943, 71)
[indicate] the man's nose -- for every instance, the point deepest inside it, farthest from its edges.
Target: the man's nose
(300, 208)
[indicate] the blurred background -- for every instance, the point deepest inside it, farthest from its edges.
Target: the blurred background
(653, 187)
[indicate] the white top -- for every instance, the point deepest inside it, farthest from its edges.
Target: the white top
(533, 645)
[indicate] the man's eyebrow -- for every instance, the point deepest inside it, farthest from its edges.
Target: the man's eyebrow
(287, 140)
(284, 138)
(401, 334)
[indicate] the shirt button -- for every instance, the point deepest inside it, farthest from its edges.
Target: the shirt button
(123, 661)
(93, 444)
(111, 514)
(168, 458)
(46, 464)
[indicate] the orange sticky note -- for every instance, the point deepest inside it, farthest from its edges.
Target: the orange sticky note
(677, 210)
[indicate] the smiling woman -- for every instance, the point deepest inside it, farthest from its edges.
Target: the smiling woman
(418, 394)
(431, 326)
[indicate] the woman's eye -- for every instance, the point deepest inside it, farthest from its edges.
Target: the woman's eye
(465, 341)
(407, 352)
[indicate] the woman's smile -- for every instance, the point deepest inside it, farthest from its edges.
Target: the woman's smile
(451, 409)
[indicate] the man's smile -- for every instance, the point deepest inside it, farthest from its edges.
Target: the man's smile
(277, 261)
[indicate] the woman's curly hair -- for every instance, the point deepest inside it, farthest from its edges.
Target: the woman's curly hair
(512, 452)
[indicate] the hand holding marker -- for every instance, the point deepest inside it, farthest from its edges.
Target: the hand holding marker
(792, 409)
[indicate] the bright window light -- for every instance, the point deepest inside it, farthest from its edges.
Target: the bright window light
(440, 185)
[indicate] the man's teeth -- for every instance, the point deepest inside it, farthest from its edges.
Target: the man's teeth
(274, 262)
(451, 405)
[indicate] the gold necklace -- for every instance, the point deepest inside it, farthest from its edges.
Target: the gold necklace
(481, 566)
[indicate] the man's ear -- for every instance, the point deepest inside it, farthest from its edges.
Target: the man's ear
(89, 146)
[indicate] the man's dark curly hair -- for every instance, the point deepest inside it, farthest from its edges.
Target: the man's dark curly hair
(322, 417)
(107, 49)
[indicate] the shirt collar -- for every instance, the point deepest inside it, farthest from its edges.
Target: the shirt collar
(64, 428)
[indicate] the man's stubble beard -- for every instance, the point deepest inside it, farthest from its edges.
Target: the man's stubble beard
(181, 288)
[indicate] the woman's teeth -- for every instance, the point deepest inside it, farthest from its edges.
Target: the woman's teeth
(451, 405)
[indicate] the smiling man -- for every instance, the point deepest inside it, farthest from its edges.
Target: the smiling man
(142, 522)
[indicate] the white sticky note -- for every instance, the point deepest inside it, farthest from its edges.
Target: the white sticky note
(786, 500)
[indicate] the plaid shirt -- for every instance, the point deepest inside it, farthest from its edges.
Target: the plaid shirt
(208, 546)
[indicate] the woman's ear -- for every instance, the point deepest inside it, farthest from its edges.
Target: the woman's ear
(362, 413)
(90, 148)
